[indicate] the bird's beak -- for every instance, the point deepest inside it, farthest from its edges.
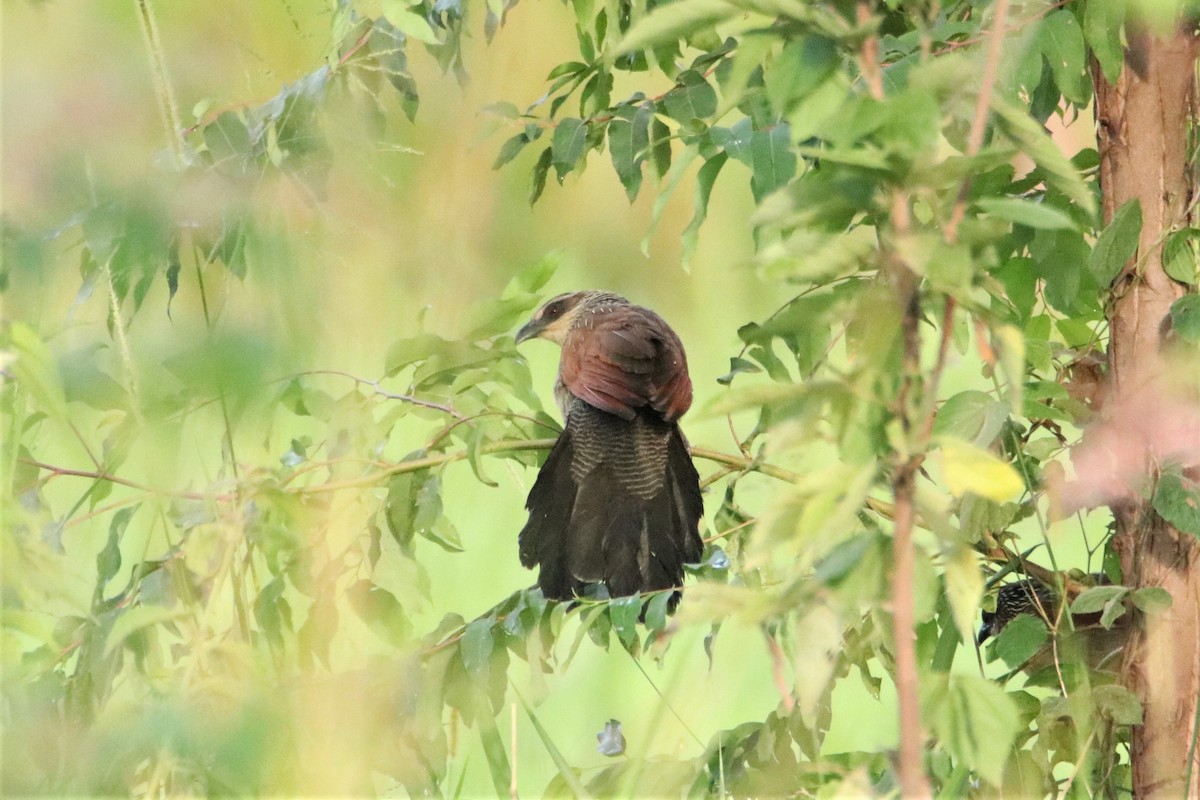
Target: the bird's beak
(529, 330)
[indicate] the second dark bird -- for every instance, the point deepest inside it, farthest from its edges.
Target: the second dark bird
(618, 500)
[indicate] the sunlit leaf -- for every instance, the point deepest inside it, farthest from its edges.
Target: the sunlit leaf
(969, 468)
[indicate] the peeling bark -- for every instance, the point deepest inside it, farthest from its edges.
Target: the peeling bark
(1143, 126)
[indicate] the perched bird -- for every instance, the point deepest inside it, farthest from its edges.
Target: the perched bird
(1013, 599)
(1101, 646)
(618, 500)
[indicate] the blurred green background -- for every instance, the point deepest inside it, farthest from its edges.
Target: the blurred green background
(410, 228)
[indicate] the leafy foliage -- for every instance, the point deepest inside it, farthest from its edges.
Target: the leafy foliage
(245, 595)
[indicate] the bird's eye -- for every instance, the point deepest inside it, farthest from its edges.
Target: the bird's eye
(552, 310)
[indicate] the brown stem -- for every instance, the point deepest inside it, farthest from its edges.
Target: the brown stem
(913, 781)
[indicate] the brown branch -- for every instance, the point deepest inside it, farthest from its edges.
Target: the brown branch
(108, 476)
(913, 781)
(379, 390)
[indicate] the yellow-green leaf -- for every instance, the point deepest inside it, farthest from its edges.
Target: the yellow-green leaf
(968, 468)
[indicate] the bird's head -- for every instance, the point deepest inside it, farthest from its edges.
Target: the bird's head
(554, 319)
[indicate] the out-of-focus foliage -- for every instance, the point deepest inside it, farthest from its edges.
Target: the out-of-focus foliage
(262, 625)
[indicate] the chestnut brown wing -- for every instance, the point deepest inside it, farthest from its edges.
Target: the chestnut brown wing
(624, 359)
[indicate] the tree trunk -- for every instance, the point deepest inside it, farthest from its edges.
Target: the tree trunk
(1143, 128)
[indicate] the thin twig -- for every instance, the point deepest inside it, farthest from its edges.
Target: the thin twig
(979, 121)
(913, 781)
(379, 390)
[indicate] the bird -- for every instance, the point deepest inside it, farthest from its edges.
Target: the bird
(1100, 646)
(617, 503)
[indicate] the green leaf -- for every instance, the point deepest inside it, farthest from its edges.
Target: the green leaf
(1102, 23)
(510, 149)
(1034, 141)
(1118, 704)
(1011, 345)
(108, 560)
(476, 647)
(1151, 599)
(136, 619)
(1021, 640)
(540, 170)
(774, 162)
(570, 137)
(628, 143)
(408, 23)
(689, 154)
(35, 370)
(1179, 255)
(1185, 318)
(674, 21)
(968, 468)
(1117, 243)
(975, 720)
(704, 183)
(1177, 499)
(229, 143)
(974, 416)
(660, 147)
(692, 98)
(1061, 42)
(1027, 212)
(624, 612)
(495, 753)
(1097, 598)
(964, 587)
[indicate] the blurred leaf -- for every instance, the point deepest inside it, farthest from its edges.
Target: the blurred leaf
(704, 183)
(108, 561)
(381, 611)
(1185, 318)
(136, 619)
(476, 647)
(964, 588)
(1177, 497)
(674, 21)
(1026, 212)
(1117, 243)
(971, 415)
(1117, 704)
(407, 22)
(974, 719)
(34, 370)
(972, 469)
(1033, 140)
